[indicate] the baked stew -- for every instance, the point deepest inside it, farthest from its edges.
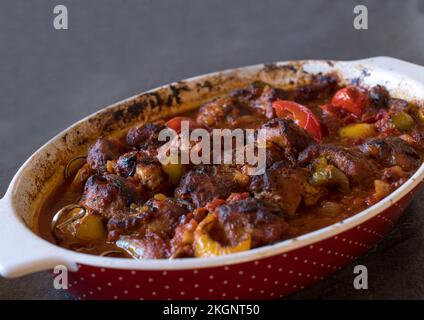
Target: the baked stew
(332, 150)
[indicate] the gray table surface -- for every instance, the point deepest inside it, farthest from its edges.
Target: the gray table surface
(114, 49)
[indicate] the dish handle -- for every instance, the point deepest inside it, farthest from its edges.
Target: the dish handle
(22, 253)
(409, 69)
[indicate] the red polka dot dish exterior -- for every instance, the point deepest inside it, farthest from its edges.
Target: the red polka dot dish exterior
(268, 272)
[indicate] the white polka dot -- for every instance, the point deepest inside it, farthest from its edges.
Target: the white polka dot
(276, 282)
(291, 271)
(125, 291)
(164, 273)
(211, 277)
(93, 275)
(180, 279)
(250, 289)
(109, 284)
(280, 269)
(182, 293)
(269, 266)
(299, 274)
(91, 292)
(196, 298)
(153, 293)
(84, 296)
(102, 269)
(210, 290)
(224, 294)
(253, 276)
(196, 285)
(133, 272)
(295, 258)
(120, 278)
(226, 268)
(137, 286)
(236, 298)
(305, 261)
(99, 288)
(166, 287)
(240, 272)
(150, 280)
(265, 279)
(195, 271)
(115, 297)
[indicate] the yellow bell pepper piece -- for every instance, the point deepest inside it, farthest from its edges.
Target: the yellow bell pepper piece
(357, 131)
(159, 197)
(205, 246)
(403, 121)
(174, 170)
(90, 227)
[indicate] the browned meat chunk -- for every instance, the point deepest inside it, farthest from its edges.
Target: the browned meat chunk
(101, 152)
(160, 217)
(379, 96)
(286, 134)
(280, 186)
(250, 93)
(284, 188)
(392, 151)
(276, 154)
(353, 163)
(105, 195)
(251, 216)
(145, 170)
(397, 105)
(219, 113)
(227, 112)
(205, 183)
(146, 136)
(145, 232)
(268, 96)
(321, 87)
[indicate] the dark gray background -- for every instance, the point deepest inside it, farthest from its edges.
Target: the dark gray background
(115, 49)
